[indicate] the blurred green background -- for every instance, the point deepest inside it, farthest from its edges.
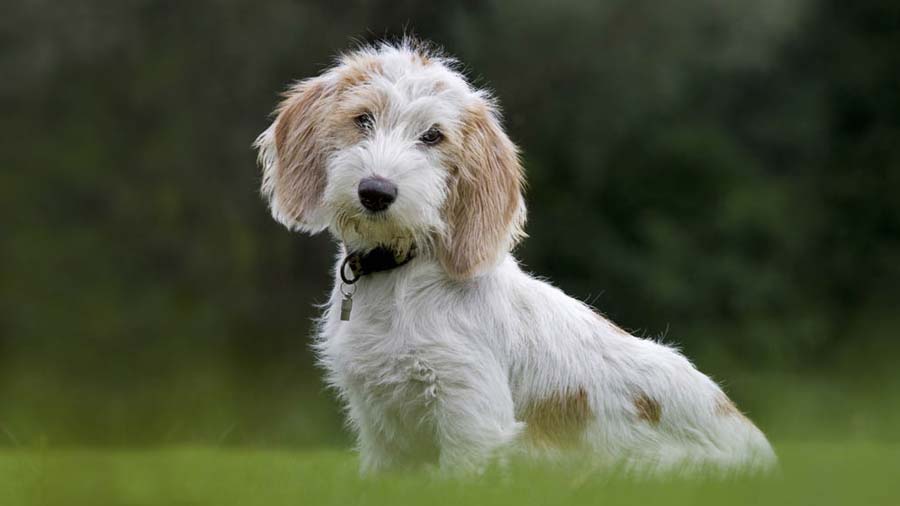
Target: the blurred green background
(723, 174)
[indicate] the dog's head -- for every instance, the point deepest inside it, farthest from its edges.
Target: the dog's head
(392, 147)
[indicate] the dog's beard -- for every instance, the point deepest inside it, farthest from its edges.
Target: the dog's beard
(364, 231)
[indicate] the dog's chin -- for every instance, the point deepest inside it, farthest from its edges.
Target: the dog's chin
(366, 231)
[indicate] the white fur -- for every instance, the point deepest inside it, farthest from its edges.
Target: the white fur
(439, 370)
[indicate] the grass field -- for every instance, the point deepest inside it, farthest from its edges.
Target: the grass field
(811, 473)
(837, 436)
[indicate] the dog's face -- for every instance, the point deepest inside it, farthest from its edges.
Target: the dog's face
(393, 147)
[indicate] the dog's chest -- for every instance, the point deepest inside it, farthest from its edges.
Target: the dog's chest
(381, 356)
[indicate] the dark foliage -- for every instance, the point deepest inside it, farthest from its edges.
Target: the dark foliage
(724, 174)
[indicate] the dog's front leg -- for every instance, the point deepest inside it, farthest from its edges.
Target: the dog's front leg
(474, 418)
(379, 443)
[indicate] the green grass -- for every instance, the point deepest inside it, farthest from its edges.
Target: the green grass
(837, 438)
(820, 474)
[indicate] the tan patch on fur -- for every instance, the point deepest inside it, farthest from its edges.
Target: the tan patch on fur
(421, 58)
(483, 209)
(648, 409)
(558, 420)
(298, 177)
(725, 407)
(357, 70)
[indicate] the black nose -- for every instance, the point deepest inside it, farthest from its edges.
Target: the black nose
(376, 193)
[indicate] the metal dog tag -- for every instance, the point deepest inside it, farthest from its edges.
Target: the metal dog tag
(347, 302)
(346, 308)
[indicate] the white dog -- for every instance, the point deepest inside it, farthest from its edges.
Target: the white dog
(443, 350)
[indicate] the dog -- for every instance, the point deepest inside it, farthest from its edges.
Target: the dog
(443, 351)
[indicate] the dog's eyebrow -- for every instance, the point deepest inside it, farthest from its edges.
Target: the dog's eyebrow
(436, 109)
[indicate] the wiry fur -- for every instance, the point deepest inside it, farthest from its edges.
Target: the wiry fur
(459, 354)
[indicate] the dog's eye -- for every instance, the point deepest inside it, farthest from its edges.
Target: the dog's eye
(365, 121)
(432, 136)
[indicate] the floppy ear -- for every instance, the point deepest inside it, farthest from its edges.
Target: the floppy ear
(292, 154)
(485, 210)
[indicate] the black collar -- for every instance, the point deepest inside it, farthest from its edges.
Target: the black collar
(377, 260)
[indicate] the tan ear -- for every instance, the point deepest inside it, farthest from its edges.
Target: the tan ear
(292, 155)
(485, 210)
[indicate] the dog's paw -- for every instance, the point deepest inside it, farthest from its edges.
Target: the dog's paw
(421, 372)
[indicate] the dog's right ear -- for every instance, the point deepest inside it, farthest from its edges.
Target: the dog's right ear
(292, 155)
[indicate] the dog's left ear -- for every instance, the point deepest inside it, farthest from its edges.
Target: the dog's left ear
(485, 210)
